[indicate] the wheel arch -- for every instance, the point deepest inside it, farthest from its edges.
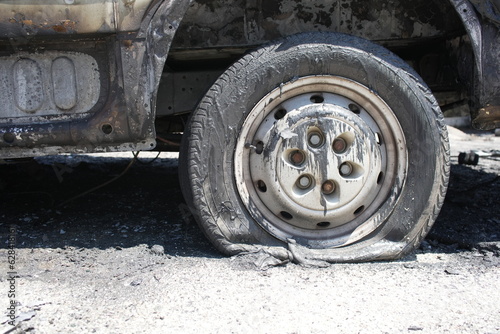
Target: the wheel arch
(143, 56)
(158, 28)
(220, 23)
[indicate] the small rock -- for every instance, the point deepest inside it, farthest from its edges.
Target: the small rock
(433, 243)
(62, 231)
(136, 282)
(425, 245)
(415, 328)
(451, 271)
(157, 250)
(26, 316)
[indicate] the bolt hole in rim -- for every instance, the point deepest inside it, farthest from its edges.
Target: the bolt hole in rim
(261, 185)
(279, 114)
(317, 99)
(322, 195)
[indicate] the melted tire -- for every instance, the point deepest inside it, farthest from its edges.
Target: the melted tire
(207, 157)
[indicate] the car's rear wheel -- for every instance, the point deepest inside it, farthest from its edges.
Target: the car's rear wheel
(321, 140)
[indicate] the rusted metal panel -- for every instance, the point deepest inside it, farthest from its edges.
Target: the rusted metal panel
(487, 118)
(34, 17)
(130, 66)
(490, 9)
(55, 83)
(488, 115)
(482, 28)
(180, 91)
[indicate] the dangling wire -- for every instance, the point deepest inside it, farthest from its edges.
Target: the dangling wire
(104, 184)
(136, 157)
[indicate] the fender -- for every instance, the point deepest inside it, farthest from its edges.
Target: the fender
(143, 58)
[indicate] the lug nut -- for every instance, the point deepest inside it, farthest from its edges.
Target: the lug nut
(339, 145)
(297, 157)
(304, 182)
(315, 139)
(328, 187)
(345, 169)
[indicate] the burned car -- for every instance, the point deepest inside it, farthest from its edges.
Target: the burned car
(307, 130)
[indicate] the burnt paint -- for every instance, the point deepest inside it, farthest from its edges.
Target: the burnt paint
(59, 17)
(254, 22)
(489, 9)
(483, 31)
(125, 121)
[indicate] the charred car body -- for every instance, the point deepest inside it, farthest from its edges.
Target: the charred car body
(311, 130)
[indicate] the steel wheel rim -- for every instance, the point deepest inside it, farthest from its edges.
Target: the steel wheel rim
(320, 159)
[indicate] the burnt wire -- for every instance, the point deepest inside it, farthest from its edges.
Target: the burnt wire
(169, 142)
(103, 184)
(142, 162)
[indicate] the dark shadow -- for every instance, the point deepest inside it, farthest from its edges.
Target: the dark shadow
(470, 216)
(143, 206)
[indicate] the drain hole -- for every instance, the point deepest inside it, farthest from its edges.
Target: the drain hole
(280, 113)
(378, 138)
(359, 210)
(261, 185)
(323, 224)
(317, 99)
(380, 177)
(354, 108)
(9, 137)
(286, 215)
(107, 128)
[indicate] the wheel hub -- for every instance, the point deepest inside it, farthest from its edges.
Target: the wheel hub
(322, 171)
(311, 161)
